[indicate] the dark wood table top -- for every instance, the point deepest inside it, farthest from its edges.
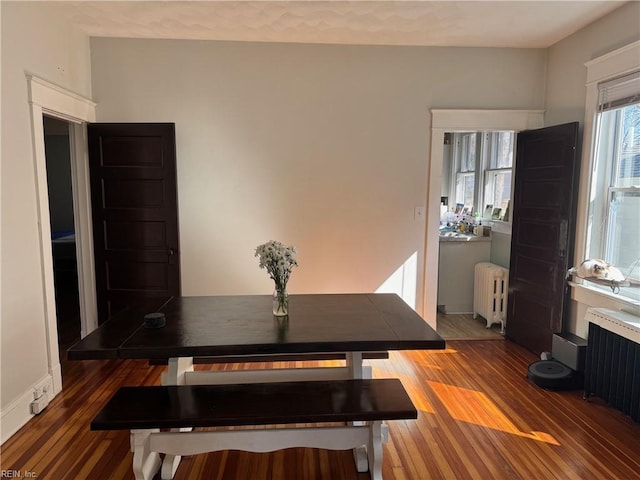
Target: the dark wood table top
(245, 325)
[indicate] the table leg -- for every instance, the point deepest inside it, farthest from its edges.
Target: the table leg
(175, 375)
(178, 367)
(354, 363)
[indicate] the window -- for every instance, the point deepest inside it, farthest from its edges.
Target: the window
(497, 177)
(483, 158)
(465, 159)
(614, 208)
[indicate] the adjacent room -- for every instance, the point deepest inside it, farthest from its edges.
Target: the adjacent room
(320, 240)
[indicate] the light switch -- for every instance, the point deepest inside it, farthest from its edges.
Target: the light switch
(418, 213)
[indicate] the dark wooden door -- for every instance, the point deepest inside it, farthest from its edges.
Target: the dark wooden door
(135, 214)
(546, 187)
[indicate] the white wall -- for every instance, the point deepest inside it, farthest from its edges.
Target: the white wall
(322, 146)
(36, 40)
(565, 102)
(566, 72)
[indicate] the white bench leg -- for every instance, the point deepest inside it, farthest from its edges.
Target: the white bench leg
(175, 375)
(171, 462)
(374, 450)
(364, 456)
(169, 466)
(358, 370)
(360, 459)
(145, 462)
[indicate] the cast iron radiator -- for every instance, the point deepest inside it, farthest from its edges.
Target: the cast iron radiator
(612, 369)
(490, 287)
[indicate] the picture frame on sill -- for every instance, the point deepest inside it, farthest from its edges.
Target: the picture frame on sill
(505, 217)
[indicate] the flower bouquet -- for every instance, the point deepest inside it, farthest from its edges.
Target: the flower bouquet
(279, 261)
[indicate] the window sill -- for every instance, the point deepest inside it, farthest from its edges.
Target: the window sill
(498, 226)
(598, 297)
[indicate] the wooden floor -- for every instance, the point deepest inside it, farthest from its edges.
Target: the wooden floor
(462, 326)
(479, 418)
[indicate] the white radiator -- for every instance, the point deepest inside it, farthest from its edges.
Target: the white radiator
(490, 287)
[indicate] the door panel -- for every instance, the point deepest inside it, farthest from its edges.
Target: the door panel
(135, 214)
(543, 233)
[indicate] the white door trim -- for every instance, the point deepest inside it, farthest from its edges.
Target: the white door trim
(53, 100)
(455, 121)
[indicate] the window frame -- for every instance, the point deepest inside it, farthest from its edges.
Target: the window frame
(617, 63)
(486, 150)
(459, 170)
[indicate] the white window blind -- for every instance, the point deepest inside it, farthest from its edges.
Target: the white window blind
(619, 92)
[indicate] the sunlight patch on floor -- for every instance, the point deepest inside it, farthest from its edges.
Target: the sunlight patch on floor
(420, 355)
(417, 395)
(475, 407)
(425, 358)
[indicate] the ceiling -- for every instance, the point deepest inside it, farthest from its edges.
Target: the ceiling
(478, 23)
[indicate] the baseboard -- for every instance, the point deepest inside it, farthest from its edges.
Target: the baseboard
(18, 413)
(56, 374)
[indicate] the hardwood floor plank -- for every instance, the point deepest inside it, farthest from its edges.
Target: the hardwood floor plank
(462, 326)
(478, 418)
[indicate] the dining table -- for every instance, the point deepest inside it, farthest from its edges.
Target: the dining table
(243, 327)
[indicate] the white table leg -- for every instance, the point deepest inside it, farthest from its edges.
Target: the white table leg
(178, 367)
(354, 363)
(175, 375)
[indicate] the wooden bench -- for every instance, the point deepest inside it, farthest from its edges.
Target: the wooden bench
(146, 410)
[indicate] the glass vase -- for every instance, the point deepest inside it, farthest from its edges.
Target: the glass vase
(280, 303)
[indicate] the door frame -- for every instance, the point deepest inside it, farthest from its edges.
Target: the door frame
(55, 101)
(457, 120)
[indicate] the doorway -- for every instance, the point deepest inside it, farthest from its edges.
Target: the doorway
(47, 99)
(443, 122)
(477, 182)
(57, 147)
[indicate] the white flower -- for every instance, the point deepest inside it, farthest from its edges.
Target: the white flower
(278, 260)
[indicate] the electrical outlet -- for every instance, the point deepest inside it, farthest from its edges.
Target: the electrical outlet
(38, 392)
(43, 390)
(37, 406)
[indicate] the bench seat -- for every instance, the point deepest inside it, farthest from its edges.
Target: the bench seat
(360, 404)
(255, 404)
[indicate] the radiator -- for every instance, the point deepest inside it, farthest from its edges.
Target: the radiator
(490, 287)
(612, 369)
